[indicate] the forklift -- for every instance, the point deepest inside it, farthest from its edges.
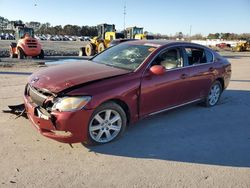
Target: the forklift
(26, 44)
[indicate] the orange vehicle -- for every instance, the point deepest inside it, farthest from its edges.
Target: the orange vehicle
(26, 44)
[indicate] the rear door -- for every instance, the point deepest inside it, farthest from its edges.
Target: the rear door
(200, 64)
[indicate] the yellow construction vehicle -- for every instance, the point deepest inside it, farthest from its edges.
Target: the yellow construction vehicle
(135, 33)
(106, 33)
(242, 46)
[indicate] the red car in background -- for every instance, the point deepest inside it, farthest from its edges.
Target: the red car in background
(223, 45)
(93, 101)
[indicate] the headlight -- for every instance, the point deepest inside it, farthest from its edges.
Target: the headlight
(70, 103)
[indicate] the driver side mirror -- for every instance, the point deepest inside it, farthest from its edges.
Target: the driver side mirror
(157, 70)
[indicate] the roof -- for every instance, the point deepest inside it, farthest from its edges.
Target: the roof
(159, 43)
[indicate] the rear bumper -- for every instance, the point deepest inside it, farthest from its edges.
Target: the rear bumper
(227, 77)
(67, 127)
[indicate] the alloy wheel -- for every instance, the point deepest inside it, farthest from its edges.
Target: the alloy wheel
(105, 126)
(214, 94)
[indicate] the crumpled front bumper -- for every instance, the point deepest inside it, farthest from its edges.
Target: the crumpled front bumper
(67, 127)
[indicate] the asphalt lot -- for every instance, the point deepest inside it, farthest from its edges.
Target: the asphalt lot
(191, 146)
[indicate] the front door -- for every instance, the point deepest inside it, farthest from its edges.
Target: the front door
(159, 92)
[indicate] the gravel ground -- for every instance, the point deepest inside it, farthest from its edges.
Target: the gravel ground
(191, 146)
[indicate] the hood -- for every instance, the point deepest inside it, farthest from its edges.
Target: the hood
(58, 78)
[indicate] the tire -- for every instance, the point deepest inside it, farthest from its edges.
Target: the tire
(89, 49)
(12, 55)
(101, 47)
(82, 52)
(107, 123)
(41, 55)
(214, 94)
(20, 53)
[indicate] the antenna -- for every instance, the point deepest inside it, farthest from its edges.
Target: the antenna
(124, 18)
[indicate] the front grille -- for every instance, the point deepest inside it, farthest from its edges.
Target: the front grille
(36, 97)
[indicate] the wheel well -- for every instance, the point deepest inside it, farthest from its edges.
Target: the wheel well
(221, 82)
(124, 107)
(19, 48)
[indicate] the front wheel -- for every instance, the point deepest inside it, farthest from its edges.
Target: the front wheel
(101, 47)
(89, 49)
(214, 94)
(107, 123)
(41, 55)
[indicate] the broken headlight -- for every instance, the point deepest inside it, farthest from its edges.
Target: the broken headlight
(70, 103)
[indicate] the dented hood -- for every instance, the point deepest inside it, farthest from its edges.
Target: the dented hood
(58, 78)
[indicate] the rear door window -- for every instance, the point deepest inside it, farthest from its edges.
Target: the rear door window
(196, 56)
(210, 57)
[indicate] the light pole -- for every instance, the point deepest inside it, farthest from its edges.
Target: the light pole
(124, 16)
(190, 32)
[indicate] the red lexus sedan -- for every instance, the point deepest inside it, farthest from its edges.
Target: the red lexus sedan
(93, 101)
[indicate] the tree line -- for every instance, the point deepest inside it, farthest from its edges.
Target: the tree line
(73, 30)
(229, 36)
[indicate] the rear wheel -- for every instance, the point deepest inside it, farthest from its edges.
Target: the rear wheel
(107, 123)
(82, 52)
(214, 94)
(20, 53)
(101, 47)
(89, 49)
(41, 55)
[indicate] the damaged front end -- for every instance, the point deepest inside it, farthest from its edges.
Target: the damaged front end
(42, 101)
(43, 109)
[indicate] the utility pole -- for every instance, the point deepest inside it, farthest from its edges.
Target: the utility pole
(124, 14)
(190, 32)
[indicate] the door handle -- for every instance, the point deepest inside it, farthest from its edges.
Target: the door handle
(184, 76)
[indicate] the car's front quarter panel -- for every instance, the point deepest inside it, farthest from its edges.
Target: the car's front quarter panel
(124, 88)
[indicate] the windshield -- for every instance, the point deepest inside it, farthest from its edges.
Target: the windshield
(138, 30)
(125, 56)
(109, 28)
(23, 31)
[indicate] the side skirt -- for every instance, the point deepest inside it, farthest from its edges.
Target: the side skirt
(173, 107)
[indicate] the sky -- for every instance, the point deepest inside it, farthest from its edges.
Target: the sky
(156, 16)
